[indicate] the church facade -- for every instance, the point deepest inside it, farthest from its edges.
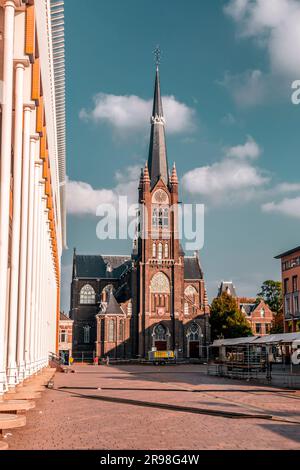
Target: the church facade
(154, 299)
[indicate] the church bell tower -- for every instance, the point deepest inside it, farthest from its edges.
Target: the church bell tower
(160, 260)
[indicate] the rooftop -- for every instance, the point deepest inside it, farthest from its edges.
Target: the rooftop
(287, 253)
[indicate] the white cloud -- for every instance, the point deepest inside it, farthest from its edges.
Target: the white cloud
(247, 89)
(274, 24)
(132, 113)
(83, 199)
(248, 150)
(233, 179)
(288, 187)
(287, 207)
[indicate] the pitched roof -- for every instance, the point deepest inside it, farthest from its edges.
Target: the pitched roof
(64, 317)
(192, 268)
(101, 267)
(157, 160)
(227, 287)
(113, 307)
(248, 308)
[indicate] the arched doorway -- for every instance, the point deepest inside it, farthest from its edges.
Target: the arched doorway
(194, 340)
(160, 337)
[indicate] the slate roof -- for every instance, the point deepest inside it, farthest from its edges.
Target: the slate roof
(95, 266)
(64, 317)
(113, 307)
(192, 268)
(224, 286)
(248, 308)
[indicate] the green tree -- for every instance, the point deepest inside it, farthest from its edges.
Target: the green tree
(271, 293)
(226, 319)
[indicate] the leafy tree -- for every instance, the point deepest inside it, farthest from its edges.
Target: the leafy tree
(277, 326)
(226, 319)
(271, 293)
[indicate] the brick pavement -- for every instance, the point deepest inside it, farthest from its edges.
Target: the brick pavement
(72, 417)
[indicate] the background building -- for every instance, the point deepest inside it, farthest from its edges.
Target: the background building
(65, 338)
(32, 207)
(258, 313)
(290, 269)
(124, 306)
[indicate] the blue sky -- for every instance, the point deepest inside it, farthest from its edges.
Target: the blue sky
(226, 74)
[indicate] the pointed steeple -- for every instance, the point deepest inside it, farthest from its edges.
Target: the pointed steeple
(157, 161)
(174, 177)
(146, 174)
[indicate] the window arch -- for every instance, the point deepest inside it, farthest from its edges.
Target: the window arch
(154, 250)
(87, 295)
(160, 332)
(160, 251)
(194, 332)
(111, 330)
(190, 291)
(165, 217)
(121, 330)
(166, 250)
(86, 334)
(160, 217)
(160, 284)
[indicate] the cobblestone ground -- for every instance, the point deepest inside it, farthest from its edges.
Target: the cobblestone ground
(74, 416)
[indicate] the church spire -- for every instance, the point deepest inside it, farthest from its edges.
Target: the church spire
(157, 161)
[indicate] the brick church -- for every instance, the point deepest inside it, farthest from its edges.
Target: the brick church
(124, 306)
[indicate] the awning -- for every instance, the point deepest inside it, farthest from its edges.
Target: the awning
(234, 341)
(284, 338)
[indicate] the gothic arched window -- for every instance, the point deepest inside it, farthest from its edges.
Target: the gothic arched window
(194, 332)
(155, 217)
(86, 334)
(165, 217)
(121, 330)
(160, 217)
(87, 295)
(166, 250)
(160, 333)
(160, 284)
(111, 330)
(154, 250)
(160, 251)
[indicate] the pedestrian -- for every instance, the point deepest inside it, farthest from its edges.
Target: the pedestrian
(107, 360)
(96, 361)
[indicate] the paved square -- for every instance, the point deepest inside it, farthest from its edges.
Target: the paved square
(88, 410)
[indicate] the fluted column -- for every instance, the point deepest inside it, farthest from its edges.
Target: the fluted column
(24, 310)
(12, 375)
(29, 346)
(5, 170)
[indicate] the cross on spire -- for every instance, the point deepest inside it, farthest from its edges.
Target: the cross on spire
(157, 55)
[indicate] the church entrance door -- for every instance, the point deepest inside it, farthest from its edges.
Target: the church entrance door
(194, 349)
(161, 345)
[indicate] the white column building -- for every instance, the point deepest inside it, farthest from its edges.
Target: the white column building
(32, 184)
